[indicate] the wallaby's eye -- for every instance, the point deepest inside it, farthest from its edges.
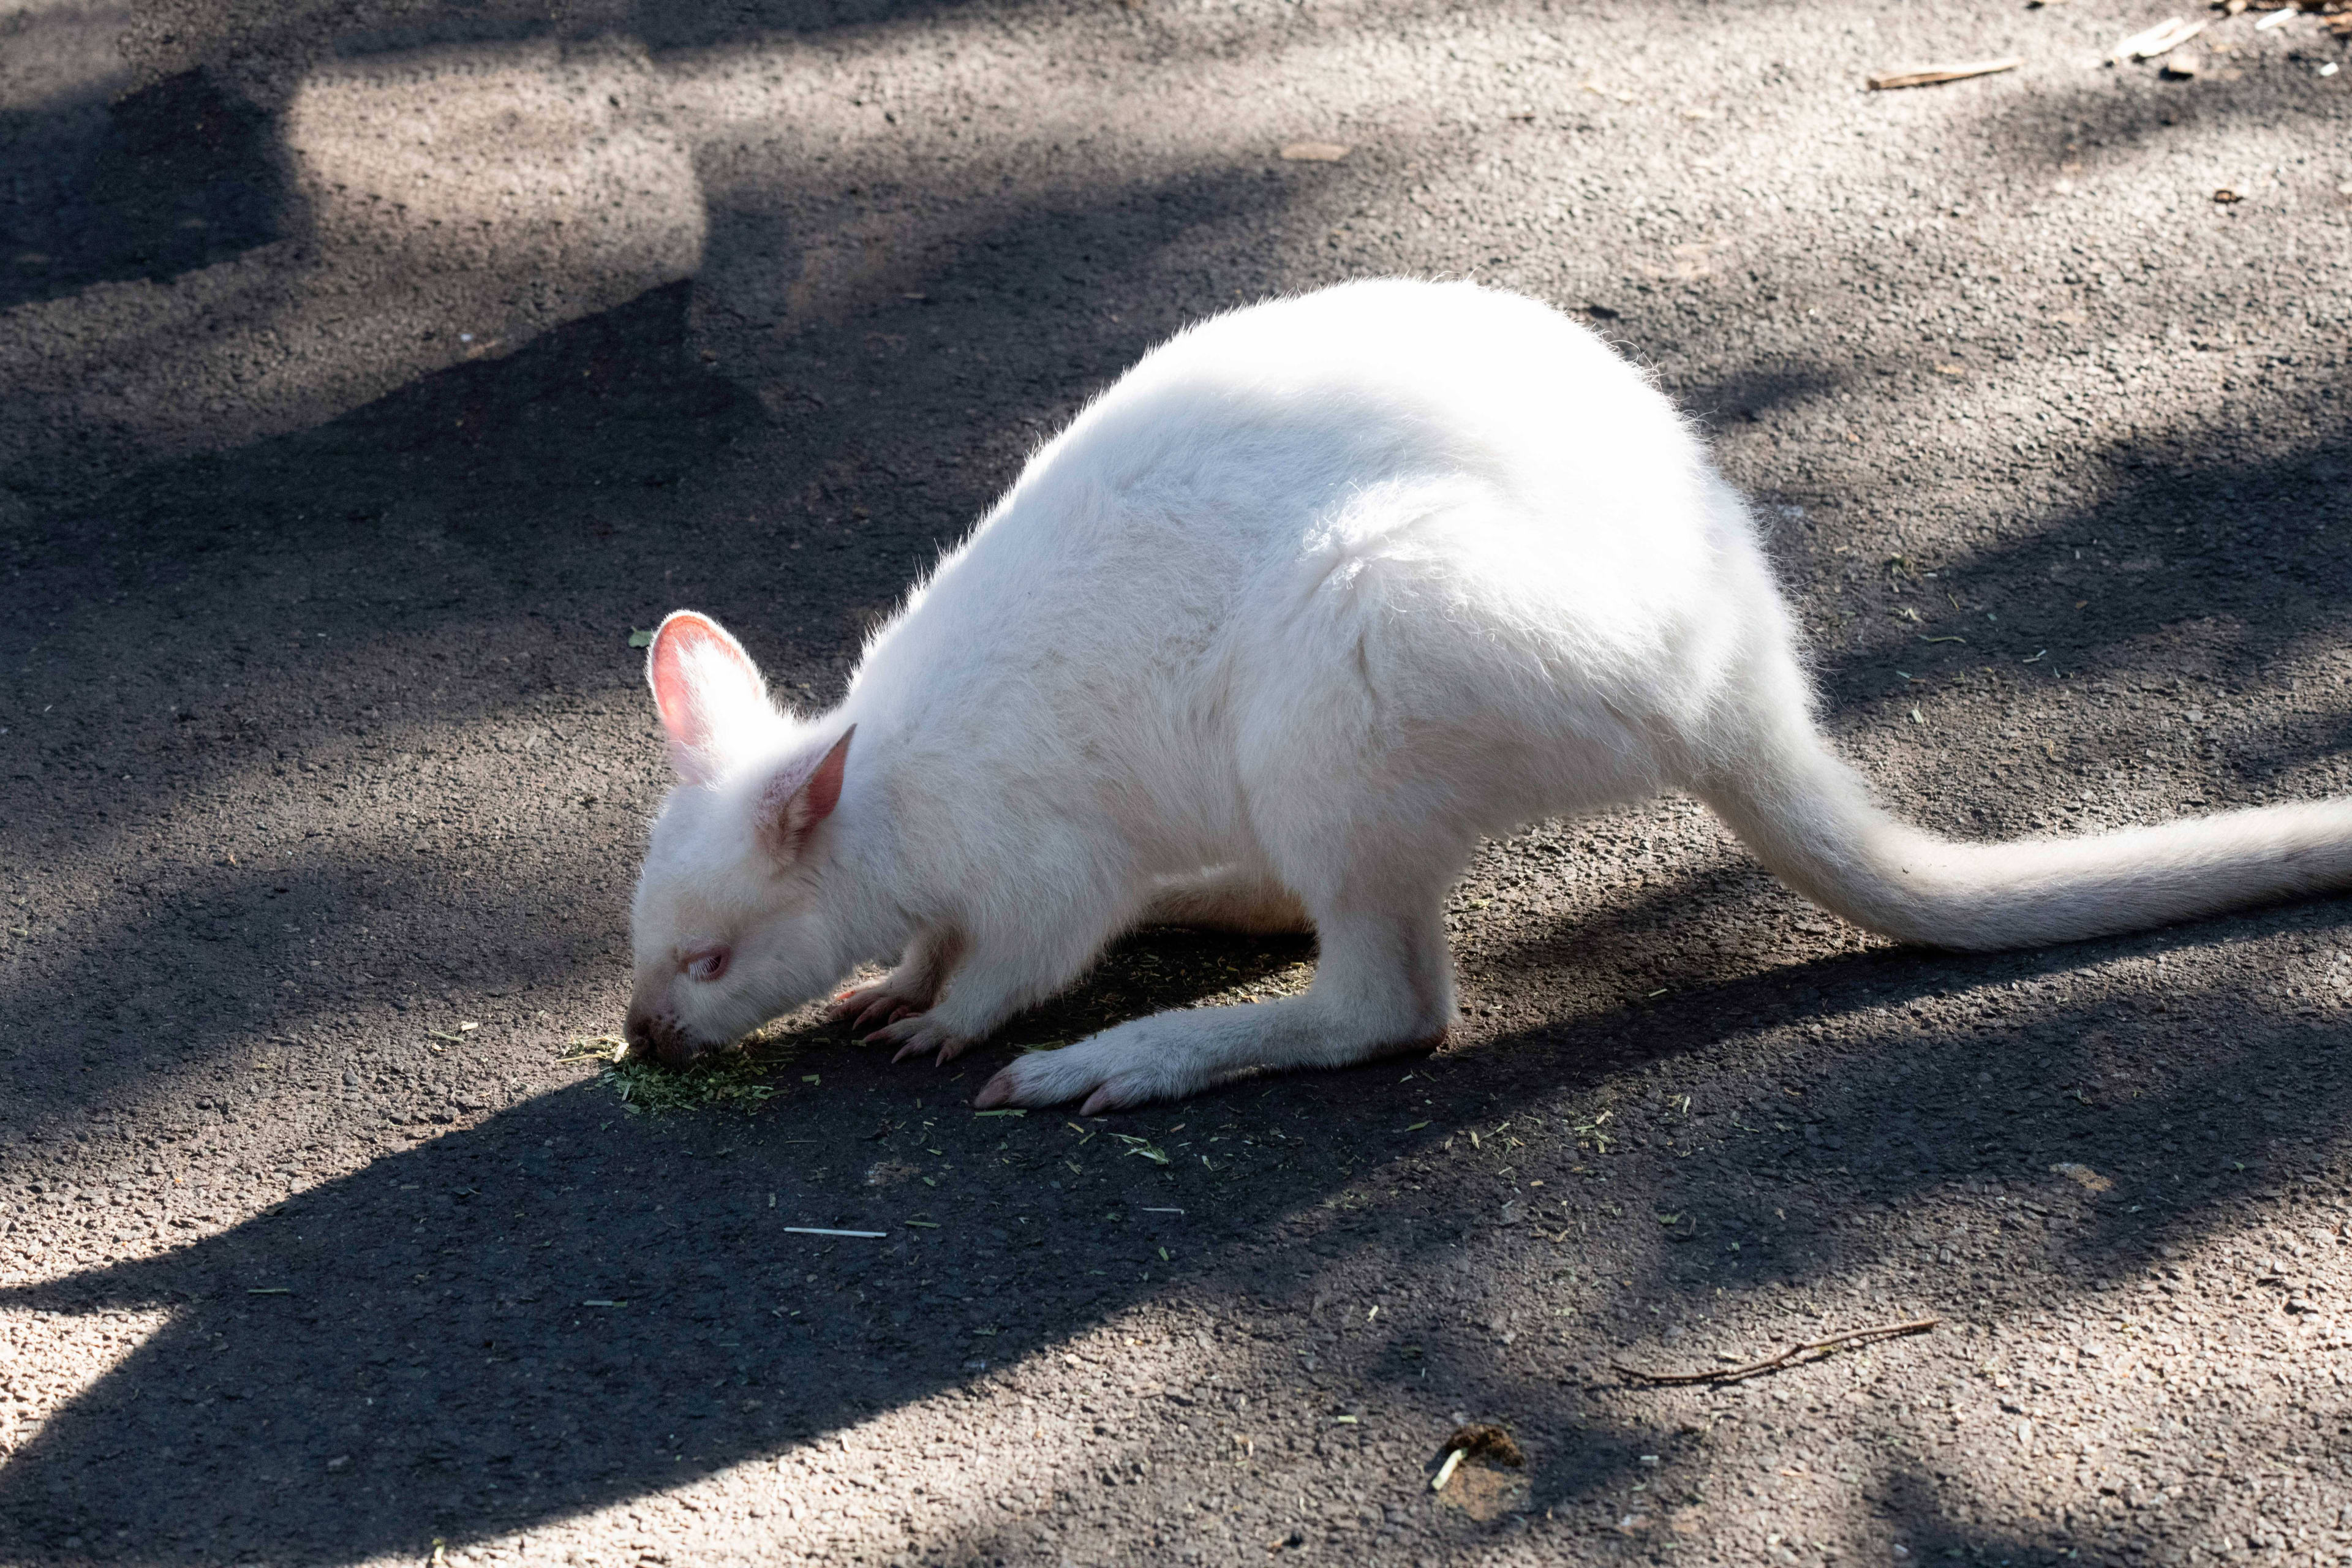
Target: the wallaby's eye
(707, 965)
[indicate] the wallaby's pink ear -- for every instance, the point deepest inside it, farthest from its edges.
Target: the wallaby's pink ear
(800, 796)
(709, 693)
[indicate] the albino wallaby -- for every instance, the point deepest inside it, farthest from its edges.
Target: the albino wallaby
(1318, 593)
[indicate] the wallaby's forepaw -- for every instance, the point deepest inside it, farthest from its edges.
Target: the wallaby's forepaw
(920, 1033)
(868, 1007)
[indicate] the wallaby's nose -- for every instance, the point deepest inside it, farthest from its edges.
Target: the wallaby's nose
(648, 1033)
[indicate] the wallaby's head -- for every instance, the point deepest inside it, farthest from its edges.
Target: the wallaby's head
(730, 923)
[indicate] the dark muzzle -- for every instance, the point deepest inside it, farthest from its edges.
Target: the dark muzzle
(659, 1037)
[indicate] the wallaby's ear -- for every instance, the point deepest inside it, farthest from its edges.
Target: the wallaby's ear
(800, 796)
(709, 691)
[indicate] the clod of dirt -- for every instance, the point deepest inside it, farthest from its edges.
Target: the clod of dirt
(2083, 1176)
(1486, 1443)
(1477, 1469)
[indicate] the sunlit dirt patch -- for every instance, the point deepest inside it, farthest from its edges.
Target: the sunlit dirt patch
(49, 1359)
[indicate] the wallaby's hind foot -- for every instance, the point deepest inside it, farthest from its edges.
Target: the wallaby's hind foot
(1171, 1055)
(1382, 984)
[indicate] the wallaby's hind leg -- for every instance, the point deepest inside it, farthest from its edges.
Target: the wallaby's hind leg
(1227, 897)
(1383, 982)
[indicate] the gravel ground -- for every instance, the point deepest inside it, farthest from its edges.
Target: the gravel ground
(375, 367)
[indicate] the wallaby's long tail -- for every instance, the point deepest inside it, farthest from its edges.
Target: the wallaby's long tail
(1808, 816)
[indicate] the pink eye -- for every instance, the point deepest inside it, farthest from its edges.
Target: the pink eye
(707, 965)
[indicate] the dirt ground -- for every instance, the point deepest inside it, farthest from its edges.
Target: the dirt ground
(374, 368)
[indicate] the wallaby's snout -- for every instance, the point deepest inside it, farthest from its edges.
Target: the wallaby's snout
(658, 1035)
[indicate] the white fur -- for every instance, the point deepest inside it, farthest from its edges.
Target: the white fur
(1318, 593)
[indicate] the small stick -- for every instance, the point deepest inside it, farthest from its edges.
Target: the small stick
(2162, 39)
(811, 1230)
(1927, 76)
(1770, 1363)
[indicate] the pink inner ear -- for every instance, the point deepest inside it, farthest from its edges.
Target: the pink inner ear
(823, 791)
(795, 805)
(700, 675)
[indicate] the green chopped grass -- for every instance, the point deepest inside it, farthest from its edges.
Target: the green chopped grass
(731, 1080)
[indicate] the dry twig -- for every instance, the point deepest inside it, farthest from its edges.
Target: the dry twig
(1788, 1357)
(2162, 39)
(817, 1230)
(1929, 76)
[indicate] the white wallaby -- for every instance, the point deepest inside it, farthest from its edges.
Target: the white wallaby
(1318, 593)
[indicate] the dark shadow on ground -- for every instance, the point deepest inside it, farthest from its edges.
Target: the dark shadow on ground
(409, 1350)
(2122, 113)
(156, 183)
(1933, 1529)
(434, 1337)
(1744, 397)
(479, 544)
(183, 971)
(434, 1310)
(2183, 541)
